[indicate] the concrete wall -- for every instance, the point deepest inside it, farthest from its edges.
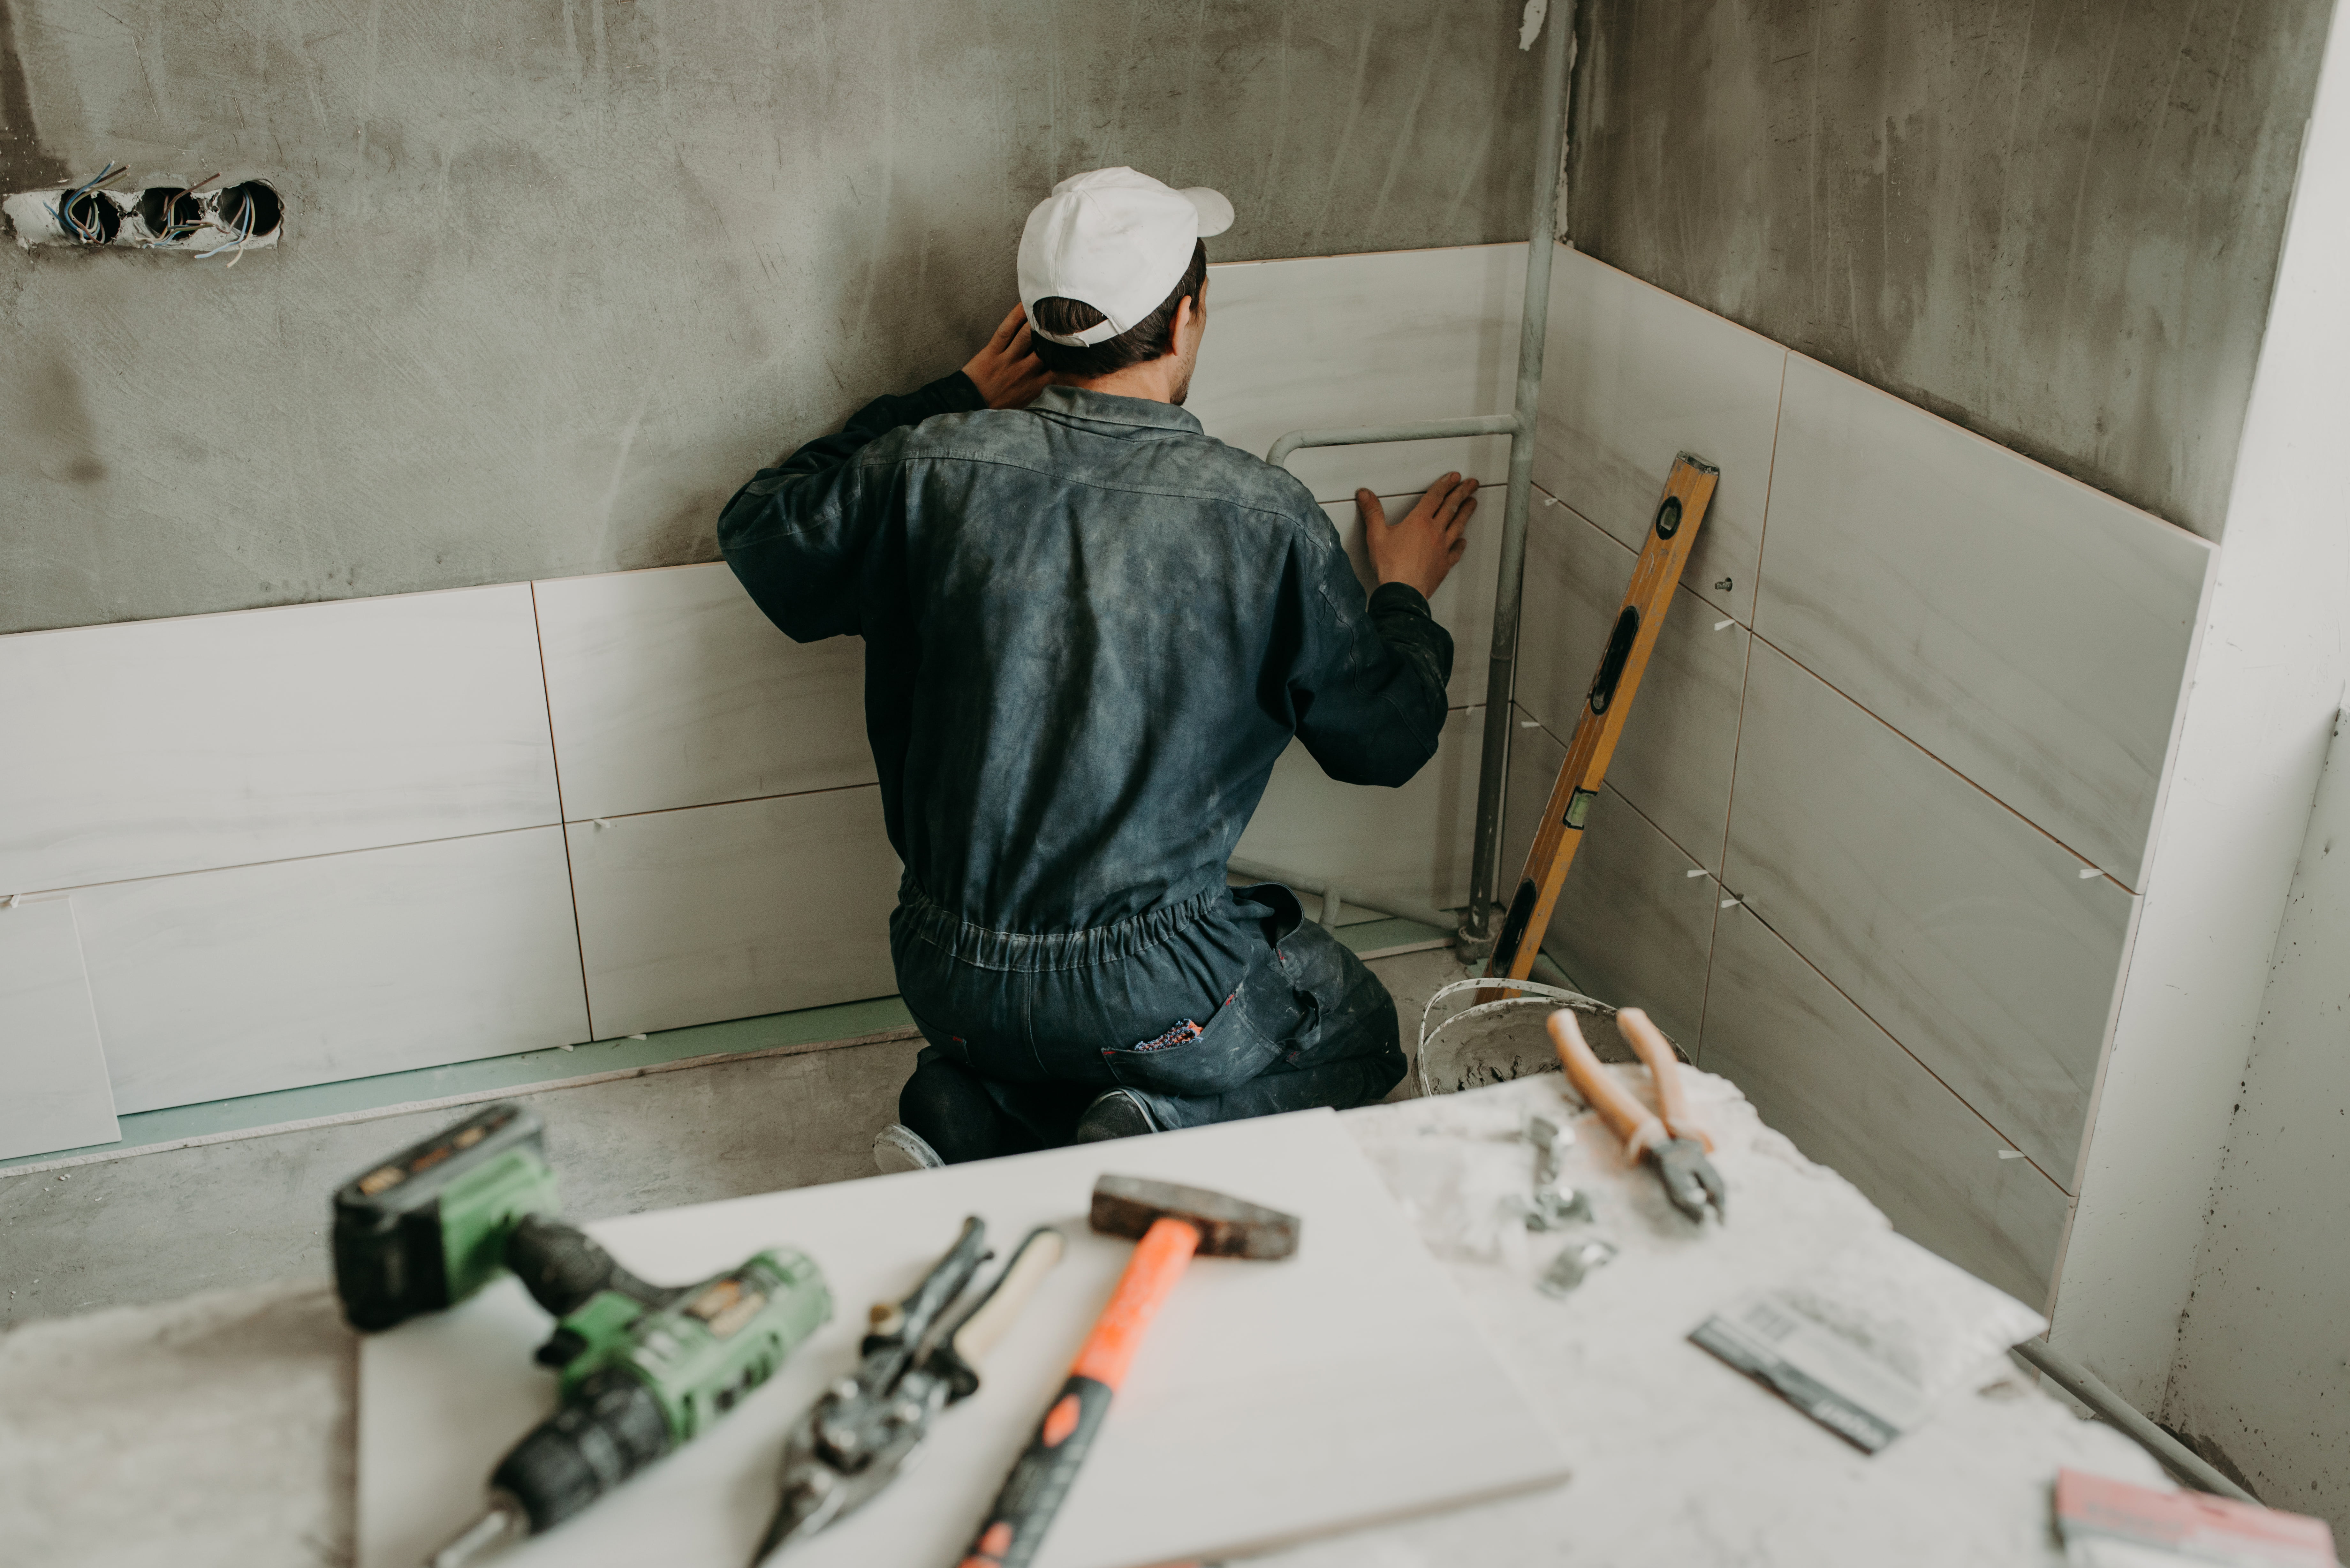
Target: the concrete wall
(559, 273)
(2055, 224)
(2261, 1372)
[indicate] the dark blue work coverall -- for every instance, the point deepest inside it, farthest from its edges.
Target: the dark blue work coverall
(1090, 629)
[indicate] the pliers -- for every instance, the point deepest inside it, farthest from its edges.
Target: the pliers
(868, 1429)
(1676, 1145)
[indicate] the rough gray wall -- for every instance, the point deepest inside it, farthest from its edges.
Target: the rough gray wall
(2056, 224)
(559, 273)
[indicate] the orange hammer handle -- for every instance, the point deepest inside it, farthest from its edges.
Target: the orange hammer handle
(1151, 1274)
(1032, 1492)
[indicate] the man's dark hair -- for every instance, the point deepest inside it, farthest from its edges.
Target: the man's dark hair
(1147, 339)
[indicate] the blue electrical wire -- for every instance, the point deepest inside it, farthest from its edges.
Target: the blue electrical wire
(65, 205)
(238, 243)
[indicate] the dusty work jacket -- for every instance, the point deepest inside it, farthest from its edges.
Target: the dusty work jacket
(1089, 631)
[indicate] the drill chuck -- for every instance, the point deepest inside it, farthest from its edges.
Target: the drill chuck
(608, 1429)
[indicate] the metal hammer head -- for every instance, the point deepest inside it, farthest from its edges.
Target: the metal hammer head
(1228, 1227)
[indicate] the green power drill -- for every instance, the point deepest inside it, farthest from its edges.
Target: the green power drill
(638, 1382)
(644, 1367)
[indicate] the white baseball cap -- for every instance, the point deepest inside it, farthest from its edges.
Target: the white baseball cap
(1116, 240)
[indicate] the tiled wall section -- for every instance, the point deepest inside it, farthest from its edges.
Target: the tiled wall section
(163, 746)
(1899, 746)
(337, 840)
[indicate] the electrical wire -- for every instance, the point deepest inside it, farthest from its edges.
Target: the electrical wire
(63, 211)
(238, 244)
(173, 228)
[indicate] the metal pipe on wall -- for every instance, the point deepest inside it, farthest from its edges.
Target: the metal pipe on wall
(1476, 937)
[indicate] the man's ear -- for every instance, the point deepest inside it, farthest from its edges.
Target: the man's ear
(1188, 317)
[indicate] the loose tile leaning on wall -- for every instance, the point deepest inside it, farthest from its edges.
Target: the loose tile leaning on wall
(253, 978)
(1633, 376)
(164, 746)
(2031, 632)
(1963, 930)
(669, 688)
(1851, 1099)
(1328, 341)
(53, 1092)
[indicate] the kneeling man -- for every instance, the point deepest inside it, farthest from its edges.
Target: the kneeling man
(1090, 629)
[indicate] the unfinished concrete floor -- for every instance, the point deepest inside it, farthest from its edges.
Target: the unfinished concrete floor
(154, 1226)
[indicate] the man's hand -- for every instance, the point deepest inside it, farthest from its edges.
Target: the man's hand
(1006, 371)
(1420, 550)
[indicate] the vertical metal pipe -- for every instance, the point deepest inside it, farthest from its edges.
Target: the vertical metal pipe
(1533, 322)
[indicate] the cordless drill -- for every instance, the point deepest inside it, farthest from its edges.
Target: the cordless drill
(639, 1381)
(644, 1367)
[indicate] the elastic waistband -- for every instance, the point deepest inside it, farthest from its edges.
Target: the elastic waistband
(985, 947)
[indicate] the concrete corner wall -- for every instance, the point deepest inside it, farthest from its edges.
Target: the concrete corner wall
(2267, 684)
(559, 274)
(2057, 225)
(2263, 1373)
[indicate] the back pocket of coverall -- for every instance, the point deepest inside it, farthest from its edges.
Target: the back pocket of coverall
(1230, 1049)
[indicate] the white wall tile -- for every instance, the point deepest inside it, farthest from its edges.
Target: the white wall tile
(1463, 604)
(1326, 341)
(1632, 926)
(732, 911)
(1851, 1099)
(1410, 843)
(1955, 924)
(669, 688)
(255, 978)
(160, 746)
(1633, 376)
(53, 1086)
(2027, 629)
(1674, 757)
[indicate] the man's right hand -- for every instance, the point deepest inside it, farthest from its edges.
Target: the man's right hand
(1007, 371)
(1427, 543)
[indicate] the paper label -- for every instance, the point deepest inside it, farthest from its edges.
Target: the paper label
(1829, 1378)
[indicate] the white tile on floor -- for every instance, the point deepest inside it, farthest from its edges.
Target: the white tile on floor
(669, 688)
(150, 747)
(1328, 341)
(1674, 757)
(2030, 631)
(1632, 376)
(1463, 604)
(1410, 843)
(254, 978)
(1958, 927)
(731, 911)
(1848, 1097)
(52, 1065)
(1631, 925)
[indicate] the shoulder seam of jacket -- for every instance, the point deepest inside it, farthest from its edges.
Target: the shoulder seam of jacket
(861, 461)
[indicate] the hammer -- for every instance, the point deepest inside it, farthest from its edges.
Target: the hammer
(1175, 1223)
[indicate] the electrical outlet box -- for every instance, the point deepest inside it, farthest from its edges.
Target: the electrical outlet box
(164, 214)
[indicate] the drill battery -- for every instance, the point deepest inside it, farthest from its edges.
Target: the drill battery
(429, 1227)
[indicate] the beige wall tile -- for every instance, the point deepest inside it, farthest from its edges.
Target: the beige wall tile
(1851, 1098)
